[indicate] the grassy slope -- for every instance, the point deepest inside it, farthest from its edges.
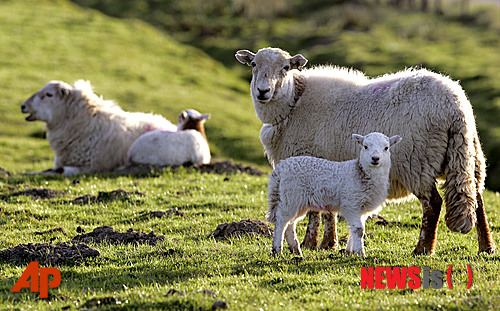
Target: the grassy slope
(48, 40)
(130, 62)
(373, 38)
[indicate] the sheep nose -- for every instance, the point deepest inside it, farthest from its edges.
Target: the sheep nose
(23, 106)
(375, 159)
(263, 92)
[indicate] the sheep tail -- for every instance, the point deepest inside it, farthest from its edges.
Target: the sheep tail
(465, 174)
(273, 196)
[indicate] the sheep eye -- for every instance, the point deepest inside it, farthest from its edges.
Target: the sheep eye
(254, 64)
(386, 148)
(366, 147)
(48, 95)
(286, 68)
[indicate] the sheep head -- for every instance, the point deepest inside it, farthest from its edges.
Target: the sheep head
(269, 67)
(191, 119)
(375, 149)
(47, 103)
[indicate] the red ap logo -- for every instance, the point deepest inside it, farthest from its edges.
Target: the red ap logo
(38, 277)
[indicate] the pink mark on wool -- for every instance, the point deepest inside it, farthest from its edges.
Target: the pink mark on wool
(150, 128)
(320, 208)
(383, 86)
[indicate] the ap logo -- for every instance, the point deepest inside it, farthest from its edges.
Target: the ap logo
(38, 277)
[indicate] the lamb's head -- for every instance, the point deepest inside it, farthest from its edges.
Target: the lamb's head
(375, 149)
(46, 104)
(191, 119)
(270, 67)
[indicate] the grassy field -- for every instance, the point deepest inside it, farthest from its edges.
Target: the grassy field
(145, 70)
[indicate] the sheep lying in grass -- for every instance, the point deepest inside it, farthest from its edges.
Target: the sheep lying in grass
(313, 113)
(88, 134)
(355, 188)
(188, 145)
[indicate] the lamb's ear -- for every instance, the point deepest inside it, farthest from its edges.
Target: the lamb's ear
(205, 116)
(394, 140)
(63, 91)
(359, 138)
(245, 57)
(298, 61)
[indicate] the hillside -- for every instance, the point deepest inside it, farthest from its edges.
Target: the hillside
(373, 38)
(128, 61)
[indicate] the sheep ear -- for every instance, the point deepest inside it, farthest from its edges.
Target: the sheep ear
(205, 116)
(64, 91)
(183, 115)
(298, 61)
(359, 138)
(394, 140)
(245, 57)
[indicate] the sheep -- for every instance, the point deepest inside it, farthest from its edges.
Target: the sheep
(188, 145)
(355, 188)
(88, 134)
(312, 112)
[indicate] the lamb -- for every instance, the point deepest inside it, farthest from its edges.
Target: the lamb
(88, 134)
(312, 112)
(355, 188)
(188, 145)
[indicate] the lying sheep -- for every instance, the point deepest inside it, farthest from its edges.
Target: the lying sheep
(355, 188)
(88, 134)
(188, 145)
(313, 112)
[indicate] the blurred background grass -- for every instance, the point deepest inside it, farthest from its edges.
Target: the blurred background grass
(157, 69)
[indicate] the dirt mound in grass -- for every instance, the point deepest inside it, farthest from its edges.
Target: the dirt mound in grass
(48, 254)
(104, 197)
(38, 193)
(241, 228)
(222, 167)
(109, 235)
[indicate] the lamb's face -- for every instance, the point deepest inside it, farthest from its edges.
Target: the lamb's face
(47, 103)
(375, 149)
(191, 119)
(269, 67)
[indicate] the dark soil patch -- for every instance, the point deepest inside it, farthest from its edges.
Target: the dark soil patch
(54, 230)
(109, 235)
(38, 193)
(5, 173)
(48, 254)
(160, 214)
(243, 227)
(173, 291)
(379, 220)
(223, 167)
(104, 197)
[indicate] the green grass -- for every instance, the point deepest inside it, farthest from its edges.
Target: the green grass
(128, 61)
(241, 271)
(144, 69)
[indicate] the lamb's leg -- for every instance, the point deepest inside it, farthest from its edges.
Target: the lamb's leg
(355, 241)
(431, 205)
(291, 238)
(330, 238)
(279, 232)
(485, 240)
(311, 239)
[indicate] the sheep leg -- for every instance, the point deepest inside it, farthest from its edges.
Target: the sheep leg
(291, 238)
(355, 243)
(330, 238)
(485, 240)
(431, 206)
(279, 232)
(311, 239)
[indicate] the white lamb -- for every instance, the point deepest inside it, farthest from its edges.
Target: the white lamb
(88, 134)
(355, 188)
(188, 145)
(313, 112)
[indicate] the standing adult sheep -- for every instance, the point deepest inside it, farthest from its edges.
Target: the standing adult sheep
(88, 134)
(313, 112)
